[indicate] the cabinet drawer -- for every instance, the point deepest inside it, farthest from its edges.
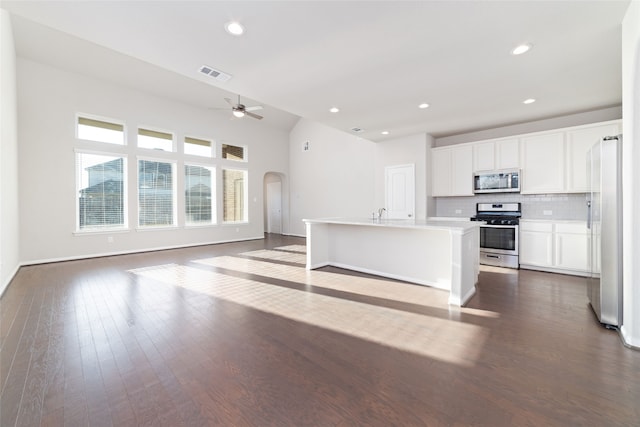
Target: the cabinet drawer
(543, 227)
(573, 228)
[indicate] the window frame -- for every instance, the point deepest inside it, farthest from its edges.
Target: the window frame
(125, 227)
(213, 147)
(245, 152)
(245, 201)
(104, 119)
(153, 129)
(174, 193)
(214, 194)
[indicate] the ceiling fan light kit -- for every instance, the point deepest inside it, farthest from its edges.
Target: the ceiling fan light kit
(239, 110)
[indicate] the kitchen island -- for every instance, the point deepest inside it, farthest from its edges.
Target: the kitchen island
(441, 254)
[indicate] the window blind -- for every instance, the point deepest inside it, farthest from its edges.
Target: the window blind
(156, 197)
(199, 200)
(101, 191)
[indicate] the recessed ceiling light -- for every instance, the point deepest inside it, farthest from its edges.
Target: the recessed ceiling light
(529, 101)
(519, 50)
(334, 109)
(234, 28)
(385, 132)
(423, 105)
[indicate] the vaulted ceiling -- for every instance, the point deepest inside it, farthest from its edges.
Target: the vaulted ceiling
(374, 60)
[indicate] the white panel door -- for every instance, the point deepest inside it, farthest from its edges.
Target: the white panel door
(400, 191)
(274, 207)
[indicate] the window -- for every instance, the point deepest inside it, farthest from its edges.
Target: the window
(155, 140)
(232, 152)
(100, 131)
(156, 196)
(198, 147)
(198, 197)
(101, 191)
(234, 204)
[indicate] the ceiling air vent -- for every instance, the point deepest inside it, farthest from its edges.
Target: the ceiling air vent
(357, 130)
(216, 74)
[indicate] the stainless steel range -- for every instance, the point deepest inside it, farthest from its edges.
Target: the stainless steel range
(499, 233)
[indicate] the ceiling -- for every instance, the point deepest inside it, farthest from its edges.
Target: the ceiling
(374, 60)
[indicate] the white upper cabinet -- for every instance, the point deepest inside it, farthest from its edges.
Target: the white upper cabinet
(542, 159)
(508, 154)
(578, 142)
(452, 171)
(550, 162)
(484, 156)
(496, 155)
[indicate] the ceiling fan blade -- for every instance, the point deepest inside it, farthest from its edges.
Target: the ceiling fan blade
(254, 115)
(229, 101)
(254, 108)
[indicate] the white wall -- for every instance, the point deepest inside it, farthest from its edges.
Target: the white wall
(334, 178)
(9, 219)
(631, 173)
(401, 151)
(48, 100)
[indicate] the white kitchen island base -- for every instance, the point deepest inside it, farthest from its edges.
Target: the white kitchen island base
(441, 254)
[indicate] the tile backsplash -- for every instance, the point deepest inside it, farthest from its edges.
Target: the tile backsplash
(534, 206)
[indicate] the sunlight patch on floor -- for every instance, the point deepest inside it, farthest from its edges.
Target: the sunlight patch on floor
(375, 287)
(437, 338)
(293, 248)
(296, 258)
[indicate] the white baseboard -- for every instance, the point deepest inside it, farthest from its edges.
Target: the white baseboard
(9, 278)
(134, 251)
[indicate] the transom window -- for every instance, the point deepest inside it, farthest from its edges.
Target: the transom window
(198, 147)
(100, 130)
(155, 140)
(233, 152)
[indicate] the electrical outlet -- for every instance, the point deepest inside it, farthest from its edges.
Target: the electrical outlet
(110, 239)
(458, 211)
(547, 212)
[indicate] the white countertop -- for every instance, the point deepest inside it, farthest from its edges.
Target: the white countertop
(398, 223)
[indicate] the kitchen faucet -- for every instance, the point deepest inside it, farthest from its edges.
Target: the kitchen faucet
(380, 211)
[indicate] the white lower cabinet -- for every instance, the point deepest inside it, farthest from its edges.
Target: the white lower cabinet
(559, 246)
(536, 244)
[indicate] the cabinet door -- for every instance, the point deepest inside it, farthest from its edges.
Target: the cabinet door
(462, 168)
(536, 248)
(543, 163)
(572, 251)
(507, 154)
(441, 172)
(483, 156)
(578, 143)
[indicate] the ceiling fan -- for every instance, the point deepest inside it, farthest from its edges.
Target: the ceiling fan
(240, 110)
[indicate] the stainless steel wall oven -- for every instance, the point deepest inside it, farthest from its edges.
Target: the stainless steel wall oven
(499, 244)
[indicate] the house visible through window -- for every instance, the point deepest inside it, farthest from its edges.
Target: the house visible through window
(101, 191)
(198, 147)
(155, 140)
(234, 204)
(100, 131)
(232, 152)
(198, 196)
(156, 197)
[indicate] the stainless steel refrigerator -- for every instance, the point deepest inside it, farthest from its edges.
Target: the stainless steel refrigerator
(604, 219)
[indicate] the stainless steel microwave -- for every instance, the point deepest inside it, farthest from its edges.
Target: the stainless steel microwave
(502, 181)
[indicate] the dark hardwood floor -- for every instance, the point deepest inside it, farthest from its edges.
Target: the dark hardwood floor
(241, 335)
